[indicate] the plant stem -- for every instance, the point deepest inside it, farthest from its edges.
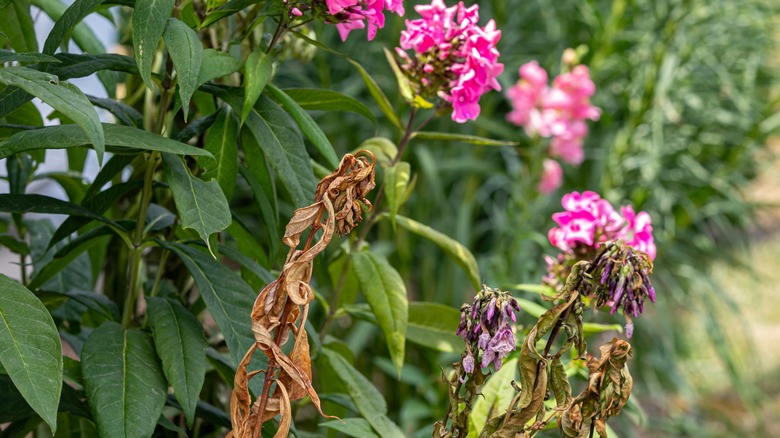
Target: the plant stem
(281, 27)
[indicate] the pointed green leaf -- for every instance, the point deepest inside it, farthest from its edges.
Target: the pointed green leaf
(497, 393)
(221, 141)
(355, 427)
(48, 205)
(257, 72)
(433, 325)
(309, 128)
(316, 99)
(454, 249)
(30, 349)
(186, 52)
(283, 148)
(62, 96)
(396, 182)
(124, 113)
(149, 20)
(178, 338)
(10, 56)
(263, 192)
(124, 383)
(228, 297)
(202, 206)
(378, 95)
(217, 64)
(67, 23)
(385, 292)
(79, 65)
(121, 139)
(472, 139)
(368, 400)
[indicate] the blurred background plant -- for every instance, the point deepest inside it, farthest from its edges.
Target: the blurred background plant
(688, 97)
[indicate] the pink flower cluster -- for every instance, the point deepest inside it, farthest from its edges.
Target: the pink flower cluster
(558, 111)
(590, 220)
(454, 57)
(356, 14)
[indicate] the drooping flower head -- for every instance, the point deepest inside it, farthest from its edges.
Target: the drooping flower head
(349, 15)
(558, 112)
(453, 57)
(485, 326)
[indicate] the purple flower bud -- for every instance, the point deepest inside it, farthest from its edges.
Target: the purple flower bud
(491, 310)
(468, 364)
(629, 329)
(483, 340)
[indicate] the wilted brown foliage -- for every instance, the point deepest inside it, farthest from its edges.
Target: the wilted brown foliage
(282, 306)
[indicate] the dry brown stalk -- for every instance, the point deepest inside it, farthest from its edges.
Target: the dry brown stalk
(338, 207)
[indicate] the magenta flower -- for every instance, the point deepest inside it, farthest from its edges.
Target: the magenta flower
(558, 111)
(349, 15)
(552, 176)
(589, 221)
(454, 58)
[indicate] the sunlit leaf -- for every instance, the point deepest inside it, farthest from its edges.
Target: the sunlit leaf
(496, 395)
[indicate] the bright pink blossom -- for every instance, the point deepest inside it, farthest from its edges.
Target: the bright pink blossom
(589, 221)
(349, 15)
(552, 174)
(558, 111)
(454, 57)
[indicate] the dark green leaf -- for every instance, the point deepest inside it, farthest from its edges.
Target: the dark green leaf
(65, 23)
(396, 182)
(385, 292)
(472, 139)
(10, 56)
(186, 52)
(258, 70)
(94, 301)
(14, 244)
(178, 337)
(228, 298)
(433, 325)
(63, 96)
(309, 128)
(202, 205)
(283, 148)
(196, 127)
(149, 20)
(355, 427)
(217, 64)
(367, 399)
(45, 204)
(30, 349)
(113, 167)
(226, 10)
(221, 142)
(78, 65)
(454, 249)
(124, 383)
(73, 271)
(378, 95)
(257, 174)
(316, 99)
(246, 262)
(124, 113)
(123, 139)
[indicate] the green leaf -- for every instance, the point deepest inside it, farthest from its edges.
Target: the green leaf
(263, 192)
(316, 99)
(355, 427)
(10, 56)
(383, 149)
(149, 21)
(495, 398)
(124, 383)
(226, 10)
(396, 181)
(454, 249)
(18, 26)
(62, 96)
(221, 141)
(66, 20)
(48, 205)
(73, 271)
(258, 70)
(530, 307)
(30, 349)
(283, 148)
(228, 297)
(559, 383)
(404, 87)
(79, 65)
(309, 128)
(202, 206)
(472, 139)
(385, 292)
(216, 64)
(124, 113)
(379, 96)
(186, 52)
(433, 325)
(368, 400)
(178, 338)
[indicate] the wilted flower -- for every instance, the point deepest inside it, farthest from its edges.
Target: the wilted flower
(558, 111)
(453, 59)
(621, 276)
(485, 326)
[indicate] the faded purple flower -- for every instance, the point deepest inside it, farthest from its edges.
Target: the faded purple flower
(468, 364)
